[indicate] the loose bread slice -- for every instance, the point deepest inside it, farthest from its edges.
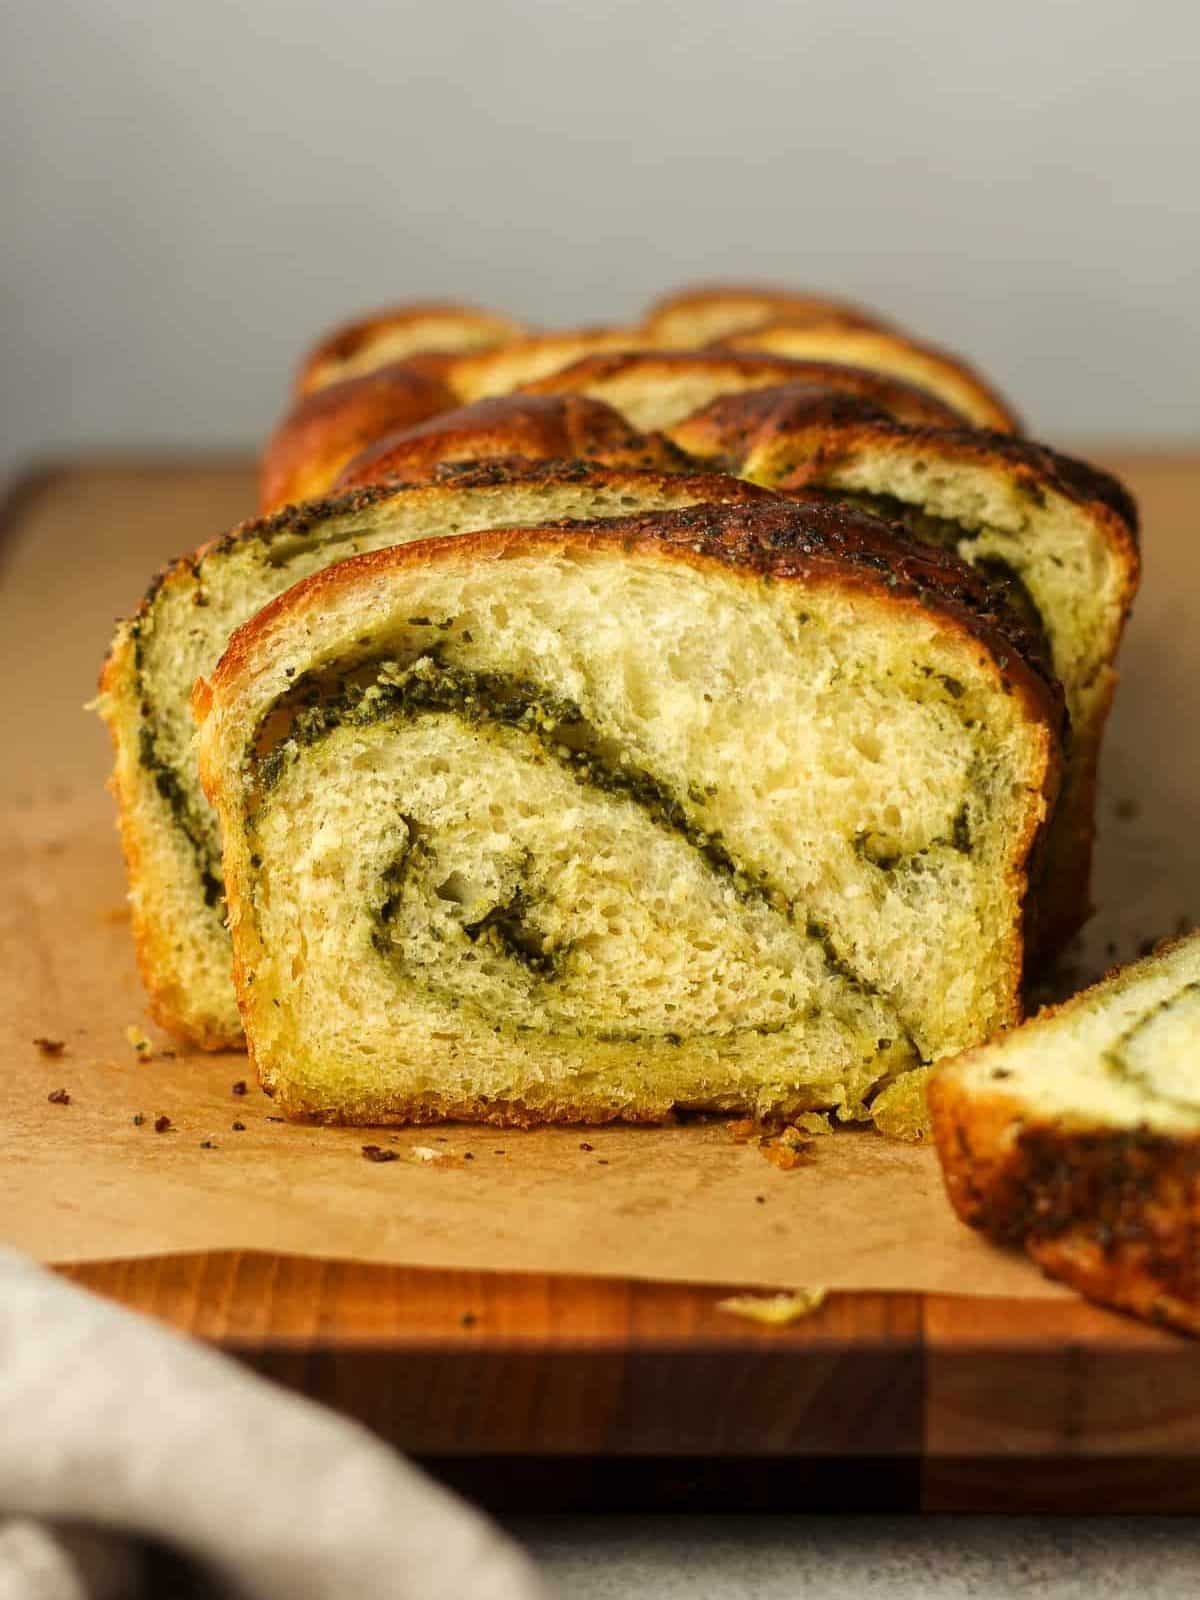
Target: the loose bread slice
(1061, 536)
(397, 332)
(879, 350)
(524, 361)
(172, 848)
(330, 426)
(659, 388)
(1078, 1136)
(727, 808)
(704, 312)
(515, 427)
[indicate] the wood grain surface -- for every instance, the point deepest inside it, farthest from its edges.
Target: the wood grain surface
(545, 1391)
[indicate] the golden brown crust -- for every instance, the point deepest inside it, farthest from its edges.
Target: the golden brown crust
(482, 374)
(1113, 1212)
(451, 327)
(822, 442)
(981, 402)
(516, 427)
(775, 540)
(331, 425)
(602, 366)
(675, 317)
(732, 430)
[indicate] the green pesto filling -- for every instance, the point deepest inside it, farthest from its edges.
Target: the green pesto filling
(171, 785)
(385, 690)
(368, 692)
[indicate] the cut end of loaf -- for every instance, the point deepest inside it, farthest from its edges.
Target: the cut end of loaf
(507, 828)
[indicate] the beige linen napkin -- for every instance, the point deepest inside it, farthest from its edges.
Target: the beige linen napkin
(115, 1431)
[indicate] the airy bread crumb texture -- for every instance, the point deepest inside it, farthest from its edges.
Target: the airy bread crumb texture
(749, 847)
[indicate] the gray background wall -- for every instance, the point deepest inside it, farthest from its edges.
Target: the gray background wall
(192, 191)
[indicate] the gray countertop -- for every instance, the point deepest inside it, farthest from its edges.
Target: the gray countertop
(900, 1558)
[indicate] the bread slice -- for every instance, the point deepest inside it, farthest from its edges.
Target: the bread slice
(659, 388)
(172, 848)
(495, 372)
(728, 808)
(397, 332)
(531, 427)
(1060, 535)
(704, 312)
(1078, 1136)
(330, 426)
(735, 428)
(881, 350)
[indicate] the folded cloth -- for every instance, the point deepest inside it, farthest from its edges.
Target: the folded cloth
(116, 1434)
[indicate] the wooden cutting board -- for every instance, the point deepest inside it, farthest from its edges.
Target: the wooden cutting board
(554, 1391)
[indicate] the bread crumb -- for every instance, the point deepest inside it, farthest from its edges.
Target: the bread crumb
(793, 1147)
(140, 1041)
(814, 1123)
(901, 1112)
(423, 1152)
(774, 1310)
(375, 1152)
(59, 1097)
(163, 1125)
(50, 1047)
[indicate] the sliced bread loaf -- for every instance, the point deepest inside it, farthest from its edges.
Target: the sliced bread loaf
(727, 808)
(172, 849)
(1078, 1137)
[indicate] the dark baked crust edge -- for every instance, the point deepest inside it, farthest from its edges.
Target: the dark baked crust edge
(349, 338)
(1114, 1213)
(776, 541)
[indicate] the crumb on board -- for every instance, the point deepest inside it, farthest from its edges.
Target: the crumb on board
(376, 1152)
(787, 1148)
(468, 1319)
(900, 1111)
(163, 1125)
(140, 1040)
(586, 1147)
(774, 1310)
(793, 1146)
(239, 1087)
(238, 1127)
(59, 1097)
(208, 1144)
(138, 1119)
(50, 1047)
